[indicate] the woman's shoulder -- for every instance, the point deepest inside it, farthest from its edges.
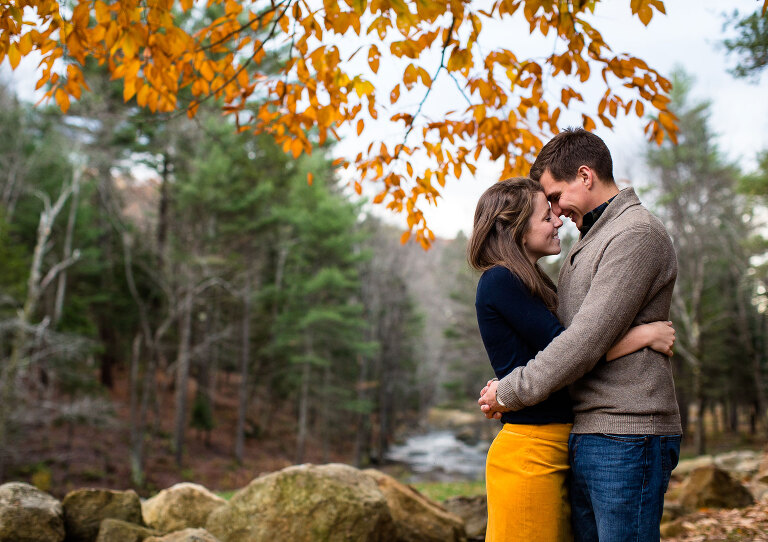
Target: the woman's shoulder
(499, 275)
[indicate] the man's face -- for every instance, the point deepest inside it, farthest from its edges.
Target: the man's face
(568, 199)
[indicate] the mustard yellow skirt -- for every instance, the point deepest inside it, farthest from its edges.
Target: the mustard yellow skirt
(526, 478)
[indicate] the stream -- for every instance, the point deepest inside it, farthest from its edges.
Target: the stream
(440, 456)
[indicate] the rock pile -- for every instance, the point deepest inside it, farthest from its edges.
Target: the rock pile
(733, 480)
(302, 503)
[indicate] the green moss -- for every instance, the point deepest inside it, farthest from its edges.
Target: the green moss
(440, 491)
(226, 495)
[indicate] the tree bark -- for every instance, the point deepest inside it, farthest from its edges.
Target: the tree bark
(362, 444)
(301, 431)
(182, 372)
(58, 306)
(245, 358)
(36, 285)
(135, 427)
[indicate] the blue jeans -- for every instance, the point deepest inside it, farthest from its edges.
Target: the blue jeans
(618, 484)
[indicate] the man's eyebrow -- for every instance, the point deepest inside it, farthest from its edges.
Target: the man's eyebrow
(554, 196)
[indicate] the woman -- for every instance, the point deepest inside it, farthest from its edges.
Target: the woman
(527, 463)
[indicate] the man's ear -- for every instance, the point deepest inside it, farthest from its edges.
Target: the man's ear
(586, 176)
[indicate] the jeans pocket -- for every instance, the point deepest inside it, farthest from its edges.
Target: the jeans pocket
(629, 439)
(670, 455)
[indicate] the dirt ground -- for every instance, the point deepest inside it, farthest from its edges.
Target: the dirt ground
(60, 457)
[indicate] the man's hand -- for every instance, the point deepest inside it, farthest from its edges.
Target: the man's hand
(487, 401)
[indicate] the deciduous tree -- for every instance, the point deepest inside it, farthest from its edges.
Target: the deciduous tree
(330, 82)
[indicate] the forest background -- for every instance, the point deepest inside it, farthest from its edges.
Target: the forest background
(178, 302)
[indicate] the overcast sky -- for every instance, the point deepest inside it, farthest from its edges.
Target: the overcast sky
(688, 36)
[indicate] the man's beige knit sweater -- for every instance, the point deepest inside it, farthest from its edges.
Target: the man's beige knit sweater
(620, 275)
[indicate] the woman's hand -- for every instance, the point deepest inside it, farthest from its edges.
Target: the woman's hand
(488, 405)
(661, 336)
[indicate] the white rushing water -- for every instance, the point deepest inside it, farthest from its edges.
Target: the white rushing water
(439, 455)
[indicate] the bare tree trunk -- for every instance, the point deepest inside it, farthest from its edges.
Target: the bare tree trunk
(162, 212)
(747, 339)
(182, 372)
(137, 465)
(363, 418)
(699, 437)
(12, 189)
(385, 421)
(245, 355)
(733, 415)
(322, 422)
(62, 286)
(301, 433)
(36, 285)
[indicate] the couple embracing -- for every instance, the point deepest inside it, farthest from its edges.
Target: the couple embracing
(584, 383)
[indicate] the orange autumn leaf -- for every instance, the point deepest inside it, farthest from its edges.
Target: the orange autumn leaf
(322, 91)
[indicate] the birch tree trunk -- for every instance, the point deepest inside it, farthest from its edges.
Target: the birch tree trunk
(36, 285)
(58, 306)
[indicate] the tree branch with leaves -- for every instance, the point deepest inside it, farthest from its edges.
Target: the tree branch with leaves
(322, 90)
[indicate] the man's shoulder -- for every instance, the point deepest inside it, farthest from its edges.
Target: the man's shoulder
(637, 219)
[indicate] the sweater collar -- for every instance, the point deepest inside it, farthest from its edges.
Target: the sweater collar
(591, 217)
(622, 201)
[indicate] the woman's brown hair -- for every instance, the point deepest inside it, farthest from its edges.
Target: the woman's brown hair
(501, 220)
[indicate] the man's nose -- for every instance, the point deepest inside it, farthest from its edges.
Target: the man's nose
(556, 209)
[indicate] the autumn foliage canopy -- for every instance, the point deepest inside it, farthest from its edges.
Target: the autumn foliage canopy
(174, 55)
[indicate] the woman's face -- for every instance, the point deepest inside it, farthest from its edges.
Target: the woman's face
(541, 239)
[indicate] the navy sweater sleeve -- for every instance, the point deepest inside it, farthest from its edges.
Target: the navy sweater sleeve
(514, 326)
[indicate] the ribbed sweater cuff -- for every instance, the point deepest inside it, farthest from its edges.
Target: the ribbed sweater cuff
(507, 394)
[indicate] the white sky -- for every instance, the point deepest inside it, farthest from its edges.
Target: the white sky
(688, 36)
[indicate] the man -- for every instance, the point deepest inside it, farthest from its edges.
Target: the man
(626, 433)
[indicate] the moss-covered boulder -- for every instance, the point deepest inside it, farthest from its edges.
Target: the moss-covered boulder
(712, 487)
(84, 510)
(311, 503)
(29, 515)
(114, 530)
(417, 518)
(186, 535)
(180, 507)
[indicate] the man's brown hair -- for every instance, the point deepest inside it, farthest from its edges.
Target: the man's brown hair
(572, 148)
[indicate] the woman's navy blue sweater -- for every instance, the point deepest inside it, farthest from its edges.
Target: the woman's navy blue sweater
(515, 326)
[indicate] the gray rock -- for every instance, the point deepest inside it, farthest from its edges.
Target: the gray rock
(84, 509)
(186, 535)
(474, 512)
(759, 490)
(712, 487)
(417, 518)
(687, 466)
(29, 515)
(762, 470)
(741, 464)
(180, 507)
(312, 503)
(114, 530)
